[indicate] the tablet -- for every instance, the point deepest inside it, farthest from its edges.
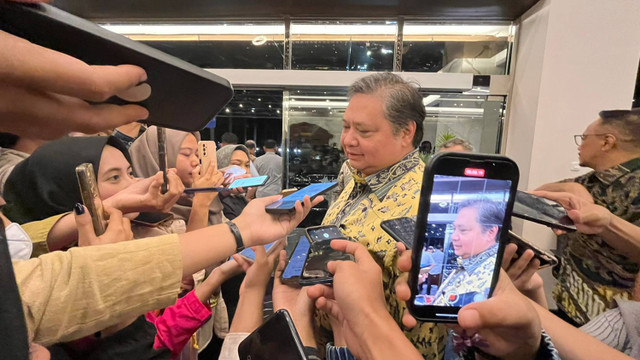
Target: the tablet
(183, 96)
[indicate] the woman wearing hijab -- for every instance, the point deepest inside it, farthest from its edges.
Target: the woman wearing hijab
(233, 155)
(181, 150)
(42, 189)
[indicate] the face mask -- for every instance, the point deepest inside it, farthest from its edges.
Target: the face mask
(20, 246)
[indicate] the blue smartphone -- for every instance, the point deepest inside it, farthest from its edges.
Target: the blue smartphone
(287, 204)
(293, 270)
(251, 255)
(246, 182)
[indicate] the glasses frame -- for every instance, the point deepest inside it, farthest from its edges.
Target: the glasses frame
(578, 139)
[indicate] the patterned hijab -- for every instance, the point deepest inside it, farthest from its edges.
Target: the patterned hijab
(144, 156)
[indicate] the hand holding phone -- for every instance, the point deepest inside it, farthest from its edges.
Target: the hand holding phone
(207, 154)
(239, 183)
(275, 338)
(472, 195)
(91, 196)
(286, 205)
(162, 157)
(543, 211)
(315, 269)
(196, 94)
(546, 258)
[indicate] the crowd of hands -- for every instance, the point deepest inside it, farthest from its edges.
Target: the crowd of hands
(47, 94)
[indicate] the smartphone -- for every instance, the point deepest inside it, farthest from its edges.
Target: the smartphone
(400, 229)
(287, 204)
(152, 219)
(91, 196)
(472, 196)
(324, 233)
(293, 270)
(248, 253)
(162, 158)
(542, 211)
(276, 338)
(207, 154)
(287, 192)
(315, 269)
(546, 258)
(183, 96)
(245, 182)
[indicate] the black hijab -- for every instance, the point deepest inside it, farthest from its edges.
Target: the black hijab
(45, 184)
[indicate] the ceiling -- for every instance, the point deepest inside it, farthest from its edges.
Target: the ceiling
(193, 10)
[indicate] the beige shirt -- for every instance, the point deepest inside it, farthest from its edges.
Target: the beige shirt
(68, 295)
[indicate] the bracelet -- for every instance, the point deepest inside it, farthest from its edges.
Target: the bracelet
(236, 234)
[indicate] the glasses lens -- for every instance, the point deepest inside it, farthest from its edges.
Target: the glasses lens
(578, 139)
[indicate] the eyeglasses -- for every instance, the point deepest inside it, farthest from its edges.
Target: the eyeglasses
(579, 138)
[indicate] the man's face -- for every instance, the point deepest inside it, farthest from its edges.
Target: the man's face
(591, 147)
(468, 237)
(367, 136)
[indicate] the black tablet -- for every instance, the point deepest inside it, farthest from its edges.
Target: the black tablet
(183, 96)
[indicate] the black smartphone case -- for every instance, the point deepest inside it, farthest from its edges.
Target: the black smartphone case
(183, 96)
(276, 338)
(423, 211)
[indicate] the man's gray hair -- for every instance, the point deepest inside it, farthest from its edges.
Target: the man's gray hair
(490, 213)
(402, 101)
(457, 141)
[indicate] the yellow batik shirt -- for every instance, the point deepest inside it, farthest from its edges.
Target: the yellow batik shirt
(365, 202)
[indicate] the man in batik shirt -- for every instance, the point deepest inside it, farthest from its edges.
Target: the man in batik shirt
(592, 270)
(476, 231)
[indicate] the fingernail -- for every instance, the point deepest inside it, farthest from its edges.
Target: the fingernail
(78, 209)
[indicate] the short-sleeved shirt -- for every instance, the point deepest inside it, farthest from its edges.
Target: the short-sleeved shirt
(590, 272)
(438, 262)
(270, 164)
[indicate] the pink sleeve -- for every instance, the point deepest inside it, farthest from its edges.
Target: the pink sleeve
(179, 322)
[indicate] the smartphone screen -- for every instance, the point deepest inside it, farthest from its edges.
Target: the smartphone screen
(324, 233)
(542, 211)
(464, 213)
(276, 338)
(250, 254)
(294, 267)
(249, 182)
(288, 203)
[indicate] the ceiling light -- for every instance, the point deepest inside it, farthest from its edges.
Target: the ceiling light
(259, 40)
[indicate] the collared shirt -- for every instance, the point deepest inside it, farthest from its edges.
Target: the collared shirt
(471, 281)
(590, 272)
(270, 164)
(365, 202)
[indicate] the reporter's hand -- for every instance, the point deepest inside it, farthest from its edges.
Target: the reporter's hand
(403, 291)
(507, 322)
(118, 228)
(259, 227)
(352, 282)
(145, 194)
(45, 94)
(259, 271)
(296, 301)
(523, 271)
(211, 178)
(588, 217)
